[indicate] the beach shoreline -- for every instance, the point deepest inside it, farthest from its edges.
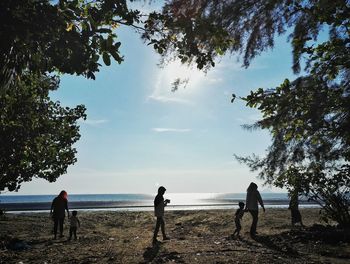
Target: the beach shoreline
(196, 237)
(117, 206)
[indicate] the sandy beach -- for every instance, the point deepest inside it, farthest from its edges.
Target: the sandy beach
(196, 237)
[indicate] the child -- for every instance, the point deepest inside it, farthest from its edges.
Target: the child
(159, 205)
(74, 224)
(238, 216)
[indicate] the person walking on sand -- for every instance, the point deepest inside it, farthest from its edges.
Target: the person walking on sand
(252, 200)
(57, 211)
(159, 205)
(74, 224)
(238, 217)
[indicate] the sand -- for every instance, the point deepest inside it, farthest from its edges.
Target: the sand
(196, 237)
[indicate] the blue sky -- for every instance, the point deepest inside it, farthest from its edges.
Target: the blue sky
(140, 135)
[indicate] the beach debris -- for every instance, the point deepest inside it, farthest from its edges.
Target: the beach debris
(217, 242)
(178, 224)
(111, 238)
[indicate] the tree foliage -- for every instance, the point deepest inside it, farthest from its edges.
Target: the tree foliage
(200, 30)
(36, 134)
(67, 36)
(41, 38)
(309, 118)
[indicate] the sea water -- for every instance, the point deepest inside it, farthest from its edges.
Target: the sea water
(141, 202)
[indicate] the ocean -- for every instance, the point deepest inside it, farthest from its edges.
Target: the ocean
(141, 202)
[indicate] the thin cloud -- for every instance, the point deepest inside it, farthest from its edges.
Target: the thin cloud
(95, 122)
(176, 130)
(167, 99)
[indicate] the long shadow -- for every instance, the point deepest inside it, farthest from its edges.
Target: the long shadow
(151, 252)
(279, 246)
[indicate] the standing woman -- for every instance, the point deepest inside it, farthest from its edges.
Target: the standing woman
(59, 204)
(253, 198)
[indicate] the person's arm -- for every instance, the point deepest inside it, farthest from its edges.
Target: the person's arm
(78, 221)
(166, 202)
(52, 205)
(246, 203)
(66, 205)
(157, 200)
(261, 201)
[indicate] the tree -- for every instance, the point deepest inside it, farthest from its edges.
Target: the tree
(36, 134)
(309, 121)
(309, 118)
(66, 36)
(40, 38)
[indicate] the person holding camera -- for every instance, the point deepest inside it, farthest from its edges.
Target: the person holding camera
(159, 205)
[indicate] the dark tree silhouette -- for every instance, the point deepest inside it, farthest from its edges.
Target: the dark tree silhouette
(38, 39)
(309, 118)
(36, 134)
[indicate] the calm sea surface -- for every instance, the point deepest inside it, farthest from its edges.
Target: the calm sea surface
(140, 202)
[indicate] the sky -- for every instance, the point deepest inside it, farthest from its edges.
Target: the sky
(140, 135)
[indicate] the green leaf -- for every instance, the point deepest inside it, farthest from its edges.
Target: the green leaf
(106, 58)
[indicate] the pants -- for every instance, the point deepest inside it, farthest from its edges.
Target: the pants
(238, 226)
(254, 214)
(58, 222)
(160, 223)
(73, 231)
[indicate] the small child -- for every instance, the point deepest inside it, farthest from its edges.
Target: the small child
(238, 217)
(74, 224)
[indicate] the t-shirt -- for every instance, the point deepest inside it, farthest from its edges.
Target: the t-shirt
(159, 206)
(74, 221)
(239, 214)
(59, 204)
(253, 197)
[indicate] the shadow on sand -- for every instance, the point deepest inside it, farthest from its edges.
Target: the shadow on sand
(151, 252)
(274, 243)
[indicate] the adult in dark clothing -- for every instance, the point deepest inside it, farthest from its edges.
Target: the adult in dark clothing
(251, 205)
(58, 207)
(159, 205)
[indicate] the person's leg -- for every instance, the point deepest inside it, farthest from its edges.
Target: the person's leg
(61, 221)
(254, 214)
(70, 233)
(234, 232)
(162, 226)
(156, 230)
(239, 227)
(75, 233)
(55, 225)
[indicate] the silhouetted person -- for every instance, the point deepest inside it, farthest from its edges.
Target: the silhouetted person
(74, 224)
(159, 205)
(253, 198)
(58, 206)
(238, 217)
(294, 209)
